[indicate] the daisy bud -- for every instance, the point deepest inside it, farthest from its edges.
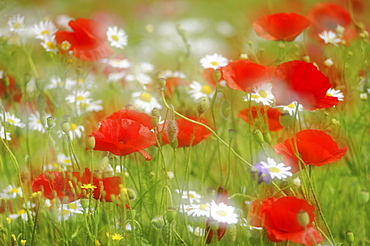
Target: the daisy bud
(339, 30)
(244, 56)
(267, 137)
(303, 218)
(158, 222)
(131, 194)
(328, 62)
(162, 83)
(171, 214)
(350, 237)
(258, 136)
(281, 45)
(202, 105)
(364, 34)
(217, 75)
(231, 232)
(90, 142)
(285, 120)
(156, 112)
(50, 122)
(172, 130)
(65, 126)
(363, 196)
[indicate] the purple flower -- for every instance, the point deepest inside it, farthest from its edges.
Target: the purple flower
(261, 174)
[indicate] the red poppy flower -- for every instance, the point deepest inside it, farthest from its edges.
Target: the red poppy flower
(280, 218)
(88, 39)
(66, 186)
(221, 230)
(124, 132)
(273, 116)
(299, 81)
(185, 132)
(244, 75)
(280, 26)
(326, 102)
(107, 188)
(314, 148)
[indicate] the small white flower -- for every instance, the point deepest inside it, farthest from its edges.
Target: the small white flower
(214, 61)
(197, 231)
(145, 67)
(141, 78)
(262, 94)
(44, 28)
(117, 63)
(145, 101)
(328, 62)
(223, 213)
(10, 192)
(50, 44)
(330, 37)
(22, 213)
(335, 93)
(11, 119)
(197, 91)
(117, 37)
(64, 160)
(15, 23)
(65, 211)
(279, 171)
(2, 134)
(190, 196)
(292, 108)
(112, 77)
(34, 121)
(198, 210)
(171, 74)
(79, 97)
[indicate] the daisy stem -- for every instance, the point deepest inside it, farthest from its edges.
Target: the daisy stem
(30, 61)
(207, 127)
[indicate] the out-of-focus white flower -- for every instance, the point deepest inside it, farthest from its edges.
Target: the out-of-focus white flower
(79, 97)
(197, 231)
(330, 37)
(76, 131)
(10, 192)
(145, 101)
(35, 122)
(50, 44)
(65, 211)
(190, 196)
(44, 29)
(329, 62)
(11, 119)
(117, 37)
(117, 63)
(15, 23)
(197, 91)
(112, 77)
(198, 210)
(335, 93)
(262, 94)
(3, 135)
(64, 160)
(223, 213)
(279, 171)
(214, 61)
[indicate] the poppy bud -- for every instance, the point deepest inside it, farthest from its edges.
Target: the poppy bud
(171, 214)
(303, 218)
(90, 142)
(350, 237)
(285, 120)
(156, 112)
(131, 194)
(267, 137)
(158, 222)
(202, 105)
(65, 126)
(165, 233)
(363, 196)
(172, 130)
(162, 83)
(50, 121)
(258, 137)
(216, 75)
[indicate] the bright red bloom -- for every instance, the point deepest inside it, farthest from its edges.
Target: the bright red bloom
(279, 217)
(221, 230)
(124, 132)
(314, 148)
(185, 132)
(88, 39)
(280, 26)
(66, 186)
(299, 81)
(107, 188)
(273, 116)
(244, 75)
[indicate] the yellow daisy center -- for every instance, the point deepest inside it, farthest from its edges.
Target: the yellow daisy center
(263, 94)
(22, 211)
(214, 63)
(274, 169)
(11, 121)
(206, 89)
(50, 45)
(45, 32)
(73, 126)
(146, 97)
(65, 45)
(72, 206)
(14, 190)
(17, 25)
(191, 196)
(291, 105)
(115, 38)
(255, 96)
(221, 213)
(80, 98)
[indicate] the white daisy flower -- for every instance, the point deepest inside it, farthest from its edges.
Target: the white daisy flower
(330, 37)
(197, 231)
(15, 23)
(44, 28)
(279, 171)
(79, 97)
(65, 211)
(190, 196)
(35, 123)
(145, 101)
(22, 213)
(197, 90)
(262, 94)
(64, 160)
(49, 44)
(171, 74)
(11, 119)
(198, 210)
(10, 192)
(57, 82)
(2, 134)
(93, 106)
(141, 78)
(292, 108)
(214, 61)
(145, 67)
(117, 63)
(335, 93)
(117, 37)
(112, 77)
(223, 213)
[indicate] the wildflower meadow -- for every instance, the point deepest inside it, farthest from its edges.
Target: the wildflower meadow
(179, 122)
